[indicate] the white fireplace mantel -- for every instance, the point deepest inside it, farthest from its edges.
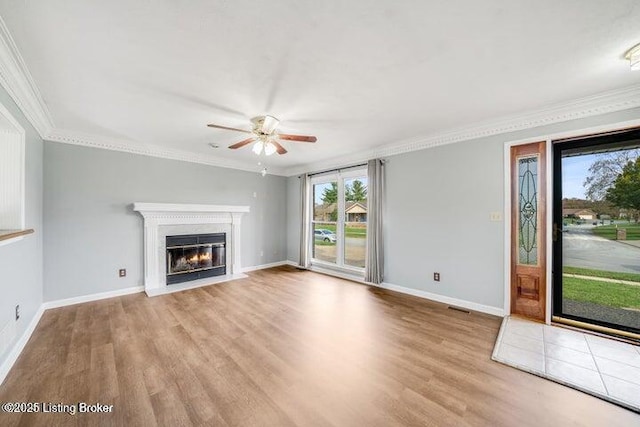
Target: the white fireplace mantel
(160, 218)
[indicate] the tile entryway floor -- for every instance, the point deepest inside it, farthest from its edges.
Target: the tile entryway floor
(603, 367)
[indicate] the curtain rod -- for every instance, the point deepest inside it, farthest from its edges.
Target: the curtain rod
(341, 169)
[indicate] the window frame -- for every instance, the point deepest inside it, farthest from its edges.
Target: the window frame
(340, 177)
(13, 133)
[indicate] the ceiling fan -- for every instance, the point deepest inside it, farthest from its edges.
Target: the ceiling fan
(264, 133)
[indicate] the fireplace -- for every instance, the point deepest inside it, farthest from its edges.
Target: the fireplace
(162, 220)
(195, 256)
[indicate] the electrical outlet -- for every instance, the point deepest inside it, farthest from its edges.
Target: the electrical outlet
(261, 253)
(436, 277)
(495, 216)
(17, 311)
(122, 272)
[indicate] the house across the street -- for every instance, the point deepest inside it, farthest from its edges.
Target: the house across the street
(355, 212)
(579, 213)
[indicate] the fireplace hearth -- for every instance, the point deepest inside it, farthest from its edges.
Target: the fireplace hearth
(195, 256)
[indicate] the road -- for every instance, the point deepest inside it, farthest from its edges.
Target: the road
(580, 248)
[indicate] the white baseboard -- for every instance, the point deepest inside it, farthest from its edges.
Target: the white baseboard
(19, 345)
(263, 266)
(496, 311)
(92, 297)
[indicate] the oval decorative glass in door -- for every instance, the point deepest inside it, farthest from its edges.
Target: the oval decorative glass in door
(528, 210)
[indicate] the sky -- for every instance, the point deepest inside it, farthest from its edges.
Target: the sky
(574, 171)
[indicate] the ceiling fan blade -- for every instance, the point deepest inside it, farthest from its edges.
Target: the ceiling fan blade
(228, 128)
(279, 148)
(242, 143)
(300, 138)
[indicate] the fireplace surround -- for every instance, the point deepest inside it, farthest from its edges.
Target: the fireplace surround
(162, 220)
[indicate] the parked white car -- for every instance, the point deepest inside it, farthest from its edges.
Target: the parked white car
(325, 235)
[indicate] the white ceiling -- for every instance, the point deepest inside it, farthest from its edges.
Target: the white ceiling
(357, 74)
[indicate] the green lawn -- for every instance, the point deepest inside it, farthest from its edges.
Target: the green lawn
(609, 231)
(603, 293)
(632, 277)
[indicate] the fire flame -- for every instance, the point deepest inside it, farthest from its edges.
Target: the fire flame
(200, 257)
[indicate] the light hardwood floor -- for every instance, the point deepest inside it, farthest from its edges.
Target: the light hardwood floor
(284, 347)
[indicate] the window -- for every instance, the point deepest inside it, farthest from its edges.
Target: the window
(12, 161)
(339, 219)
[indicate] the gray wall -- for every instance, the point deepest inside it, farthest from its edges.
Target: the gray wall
(437, 220)
(437, 207)
(21, 262)
(294, 214)
(91, 230)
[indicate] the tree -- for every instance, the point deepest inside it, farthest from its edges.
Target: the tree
(348, 193)
(625, 191)
(605, 170)
(330, 195)
(357, 192)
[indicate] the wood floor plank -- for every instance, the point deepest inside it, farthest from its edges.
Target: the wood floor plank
(284, 347)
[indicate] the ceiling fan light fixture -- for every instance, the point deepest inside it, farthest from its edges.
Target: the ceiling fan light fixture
(269, 124)
(258, 147)
(269, 148)
(633, 56)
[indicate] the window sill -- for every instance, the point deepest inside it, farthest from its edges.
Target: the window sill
(10, 236)
(343, 273)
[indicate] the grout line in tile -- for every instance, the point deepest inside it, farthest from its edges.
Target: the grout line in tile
(597, 367)
(610, 358)
(571, 363)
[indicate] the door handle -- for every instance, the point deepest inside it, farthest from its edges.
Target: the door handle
(555, 232)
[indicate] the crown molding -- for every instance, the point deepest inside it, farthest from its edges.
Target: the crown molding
(16, 79)
(152, 150)
(595, 105)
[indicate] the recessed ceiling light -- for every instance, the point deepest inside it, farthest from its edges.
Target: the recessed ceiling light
(213, 145)
(633, 56)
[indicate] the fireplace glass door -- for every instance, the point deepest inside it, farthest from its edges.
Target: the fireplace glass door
(196, 258)
(192, 257)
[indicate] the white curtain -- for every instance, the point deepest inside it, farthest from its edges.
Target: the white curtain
(374, 265)
(305, 185)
